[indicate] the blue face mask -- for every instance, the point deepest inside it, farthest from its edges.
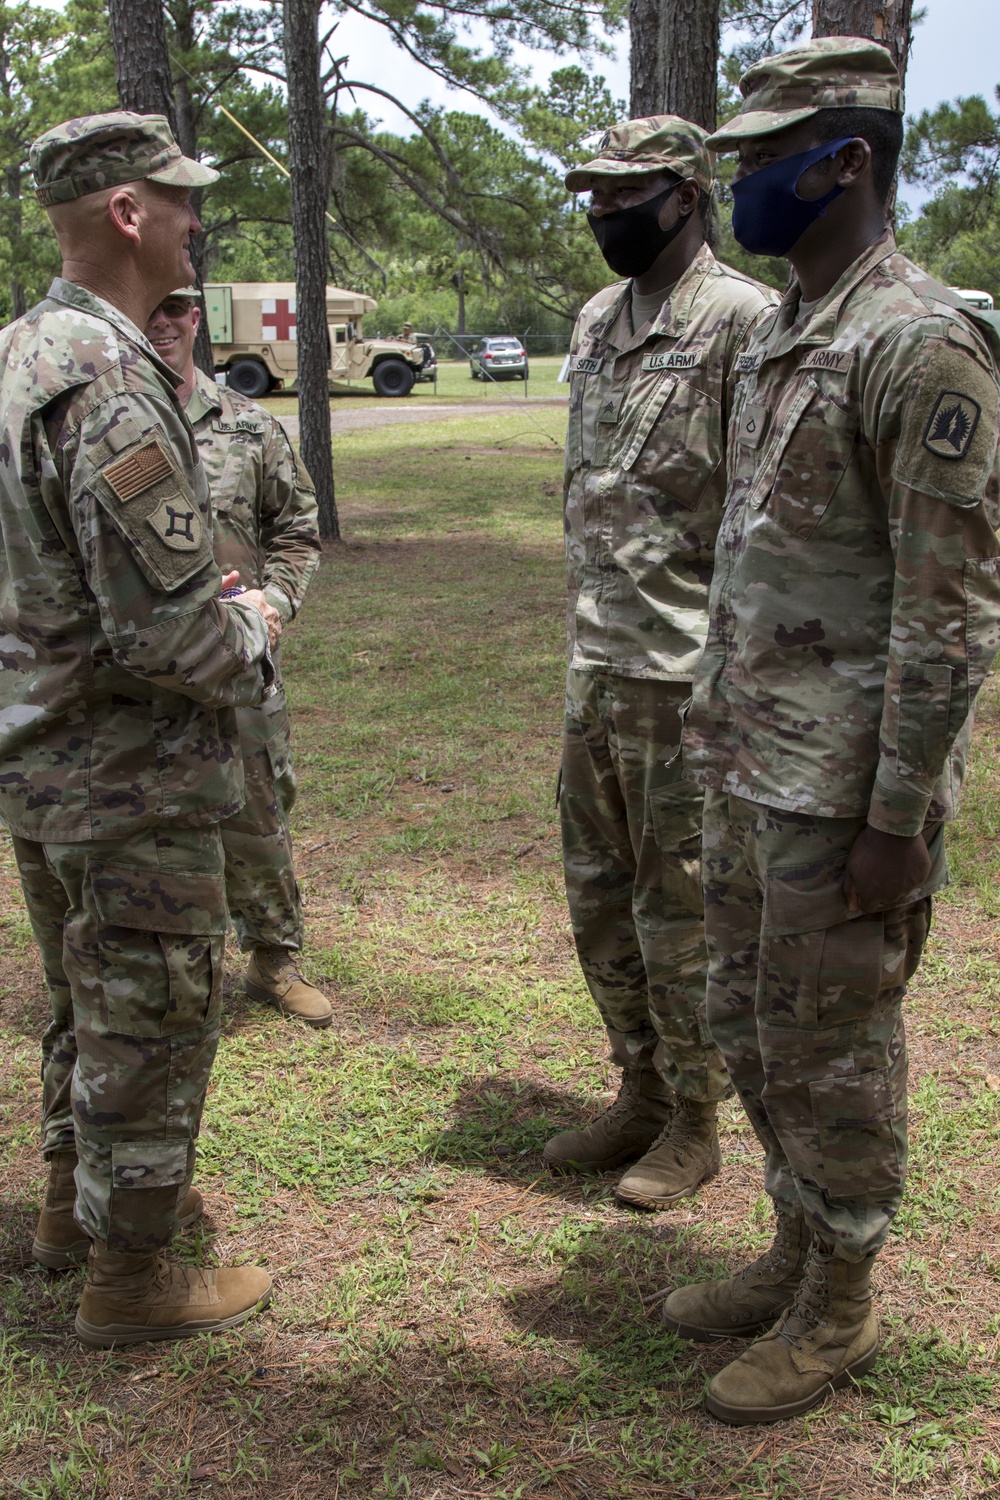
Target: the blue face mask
(768, 214)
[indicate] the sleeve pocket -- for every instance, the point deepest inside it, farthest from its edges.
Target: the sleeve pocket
(923, 713)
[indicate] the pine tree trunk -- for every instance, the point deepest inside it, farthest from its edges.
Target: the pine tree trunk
(182, 15)
(307, 164)
(675, 58)
(645, 84)
(885, 21)
(18, 300)
(689, 59)
(142, 62)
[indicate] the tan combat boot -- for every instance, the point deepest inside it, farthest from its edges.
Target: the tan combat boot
(748, 1303)
(59, 1241)
(826, 1339)
(684, 1155)
(273, 976)
(627, 1129)
(129, 1299)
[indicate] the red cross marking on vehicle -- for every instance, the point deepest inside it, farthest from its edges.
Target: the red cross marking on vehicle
(277, 317)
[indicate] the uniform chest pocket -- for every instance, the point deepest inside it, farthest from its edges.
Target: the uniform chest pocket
(811, 447)
(585, 370)
(675, 447)
(230, 455)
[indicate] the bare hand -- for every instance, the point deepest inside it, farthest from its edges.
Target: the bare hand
(883, 870)
(267, 611)
(230, 580)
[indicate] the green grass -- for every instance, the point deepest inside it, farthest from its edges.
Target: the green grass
(449, 1319)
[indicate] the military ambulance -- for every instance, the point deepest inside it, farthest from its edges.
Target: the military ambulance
(253, 331)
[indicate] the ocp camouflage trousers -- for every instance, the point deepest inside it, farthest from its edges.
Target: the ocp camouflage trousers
(631, 831)
(131, 933)
(805, 1001)
(261, 888)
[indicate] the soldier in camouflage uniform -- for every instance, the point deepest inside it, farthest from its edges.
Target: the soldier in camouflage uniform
(265, 527)
(855, 611)
(653, 362)
(118, 754)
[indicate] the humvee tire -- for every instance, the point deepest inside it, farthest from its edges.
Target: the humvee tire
(391, 377)
(249, 378)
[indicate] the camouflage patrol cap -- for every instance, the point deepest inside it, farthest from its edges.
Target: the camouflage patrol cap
(659, 143)
(100, 151)
(830, 72)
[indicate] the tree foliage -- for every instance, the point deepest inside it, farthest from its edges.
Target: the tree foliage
(954, 151)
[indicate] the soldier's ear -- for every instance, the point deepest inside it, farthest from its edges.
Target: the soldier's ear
(855, 159)
(125, 214)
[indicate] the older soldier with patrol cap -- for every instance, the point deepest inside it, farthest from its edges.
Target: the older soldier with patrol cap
(653, 361)
(265, 527)
(118, 748)
(855, 611)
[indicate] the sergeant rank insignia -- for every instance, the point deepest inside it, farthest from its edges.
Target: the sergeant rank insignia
(952, 424)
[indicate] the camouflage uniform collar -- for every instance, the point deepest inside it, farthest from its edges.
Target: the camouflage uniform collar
(72, 295)
(682, 299)
(822, 326)
(206, 398)
(685, 294)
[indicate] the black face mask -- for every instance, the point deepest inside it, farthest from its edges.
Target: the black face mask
(630, 239)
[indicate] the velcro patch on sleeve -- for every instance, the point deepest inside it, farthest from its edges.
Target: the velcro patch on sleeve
(948, 441)
(138, 471)
(152, 502)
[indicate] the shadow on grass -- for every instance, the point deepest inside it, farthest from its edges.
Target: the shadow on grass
(502, 1124)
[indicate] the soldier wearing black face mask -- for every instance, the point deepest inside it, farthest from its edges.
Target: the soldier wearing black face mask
(653, 362)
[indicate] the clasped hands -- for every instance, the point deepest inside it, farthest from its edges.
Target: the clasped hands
(256, 597)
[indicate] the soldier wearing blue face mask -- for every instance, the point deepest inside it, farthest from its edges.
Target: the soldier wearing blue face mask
(853, 615)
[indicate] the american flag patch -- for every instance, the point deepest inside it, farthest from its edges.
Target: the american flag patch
(137, 471)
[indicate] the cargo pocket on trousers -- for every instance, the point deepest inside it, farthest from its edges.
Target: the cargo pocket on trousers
(821, 968)
(856, 1127)
(160, 942)
(675, 812)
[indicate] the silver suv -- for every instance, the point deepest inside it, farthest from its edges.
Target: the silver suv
(498, 358)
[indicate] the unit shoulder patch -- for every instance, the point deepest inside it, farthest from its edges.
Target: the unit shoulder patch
(178, 525)
(154, 505)
(948, 438)
(952, 425)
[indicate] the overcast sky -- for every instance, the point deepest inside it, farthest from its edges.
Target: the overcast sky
(956, 51)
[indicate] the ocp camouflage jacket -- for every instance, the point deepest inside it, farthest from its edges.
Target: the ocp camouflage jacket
(646, 468)
(855, 608)
(118, 663)
(263, 515)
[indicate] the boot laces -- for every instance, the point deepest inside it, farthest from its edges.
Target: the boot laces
(680, 1130)
(777, 1256)
(284, 966)
(625, 1102)
(169, 1273)
(812, 1302)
